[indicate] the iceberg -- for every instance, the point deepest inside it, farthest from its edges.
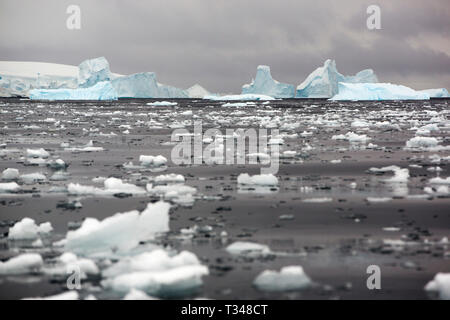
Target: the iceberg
(437, 93)
(100, 91)
(144, 85)
(264, 84)
(197, 91)
(323, 82)
(138, 85)
(92, 71)
(377, 91)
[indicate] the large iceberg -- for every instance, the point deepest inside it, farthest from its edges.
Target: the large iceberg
(144, 85)
(264, 84)
(378, 91)
(323, 82)
(93, 71)
(197, 91)
(101, 91)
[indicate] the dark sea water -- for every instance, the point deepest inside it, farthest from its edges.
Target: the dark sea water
(334, 238)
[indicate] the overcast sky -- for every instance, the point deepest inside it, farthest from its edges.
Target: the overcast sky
(219, 43)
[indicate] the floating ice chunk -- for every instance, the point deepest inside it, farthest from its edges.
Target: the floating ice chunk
(69, 295)
(400, 176)
(162, 104)
(352, 137)
(153, 160)
(436, 93)
(248, 248)
(100, 91)
(323, 82)
(120, 232)
(156, 273)
(174, 192)
(264, 84)
(378, 199)
(261, 179)
(92, 71)
(114, 185)
(111, 186)
(69, 261)
(197, 91)
(10, 174)
(9, 187)
(37, 153)
(421, 142)
(172, 177)
(33, 177)
(174, 282)
(135, 294)
(384, 169)
(22, 264)
(318, 200)
(257, 97)
(57, 164)
(27, 229)
(239, 104)
(288, 279)
(377, 91)
(441, 285)
(439, 180)
(88, 147)
(156, 260)
(360, 124)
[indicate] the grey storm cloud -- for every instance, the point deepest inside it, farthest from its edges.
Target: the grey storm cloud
(219, 43)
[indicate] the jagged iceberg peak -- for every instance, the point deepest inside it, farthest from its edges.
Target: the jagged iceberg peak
(266, 85)
(92, 71)
(323, 82)
(378, 91)
(197, 91)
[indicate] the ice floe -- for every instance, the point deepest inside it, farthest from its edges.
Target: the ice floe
(440, 285)
(22, 264)
(287, 279)
(27, 229)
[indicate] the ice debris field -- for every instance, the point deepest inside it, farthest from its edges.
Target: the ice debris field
(91, 186)
(93, 80)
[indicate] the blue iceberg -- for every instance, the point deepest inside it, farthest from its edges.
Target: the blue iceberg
(264, 84)
(92, 71)
(144, 85)
(378, 91)
(100, 91)
(323, 82)
(139, 85)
